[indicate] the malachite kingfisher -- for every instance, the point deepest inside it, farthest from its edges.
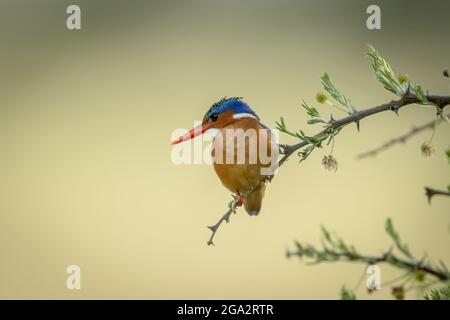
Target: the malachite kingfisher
(244, 151)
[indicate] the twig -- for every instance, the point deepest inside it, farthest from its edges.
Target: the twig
(409, 93)
(387, 257)
(335, 249)
(356, 116)
(232, 207)
(408, 99)
(430, 193)
(400, 139)
(226, 217)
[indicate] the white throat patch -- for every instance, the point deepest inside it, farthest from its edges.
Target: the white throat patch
(244, 115)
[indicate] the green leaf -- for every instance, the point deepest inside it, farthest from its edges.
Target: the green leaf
(443, 266)
(299, 247)
(347, 294)
(304, 154)
(311, 111)
(302, 135)
(314, 114)
(384, 73)
(342, 246)
(316, 120)
(334, 92)
(438, 294)
(396, 238)
(326, 234)
(420, 94)
(281, 126)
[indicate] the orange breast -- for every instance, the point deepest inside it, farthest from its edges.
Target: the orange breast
(237, 154)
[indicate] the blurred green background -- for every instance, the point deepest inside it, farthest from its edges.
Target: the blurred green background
(86, 116)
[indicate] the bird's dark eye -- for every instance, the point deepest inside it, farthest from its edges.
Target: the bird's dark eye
(213, 117)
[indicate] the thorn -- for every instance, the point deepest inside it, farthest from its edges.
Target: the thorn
(357, 126)
(210, 243)
(332, 121)
(211, 228)
(429, 194)
(395, 110)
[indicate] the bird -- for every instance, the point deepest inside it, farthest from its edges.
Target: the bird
(244, 175)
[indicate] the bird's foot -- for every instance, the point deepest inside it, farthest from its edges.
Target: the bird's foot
(239, 199)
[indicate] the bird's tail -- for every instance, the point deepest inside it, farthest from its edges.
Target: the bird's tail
(253, 202)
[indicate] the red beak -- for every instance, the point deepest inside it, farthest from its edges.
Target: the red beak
(193, 132)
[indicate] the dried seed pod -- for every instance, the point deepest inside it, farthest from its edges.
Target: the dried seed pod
(330, 163)
(427, 149)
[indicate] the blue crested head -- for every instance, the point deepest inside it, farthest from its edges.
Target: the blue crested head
(236, 104)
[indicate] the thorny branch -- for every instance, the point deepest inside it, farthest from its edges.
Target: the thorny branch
(408, 99)
(401, 139)
(387, 257)
(430, 193)
(407, 92)
(335, 249)
(232, 206)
